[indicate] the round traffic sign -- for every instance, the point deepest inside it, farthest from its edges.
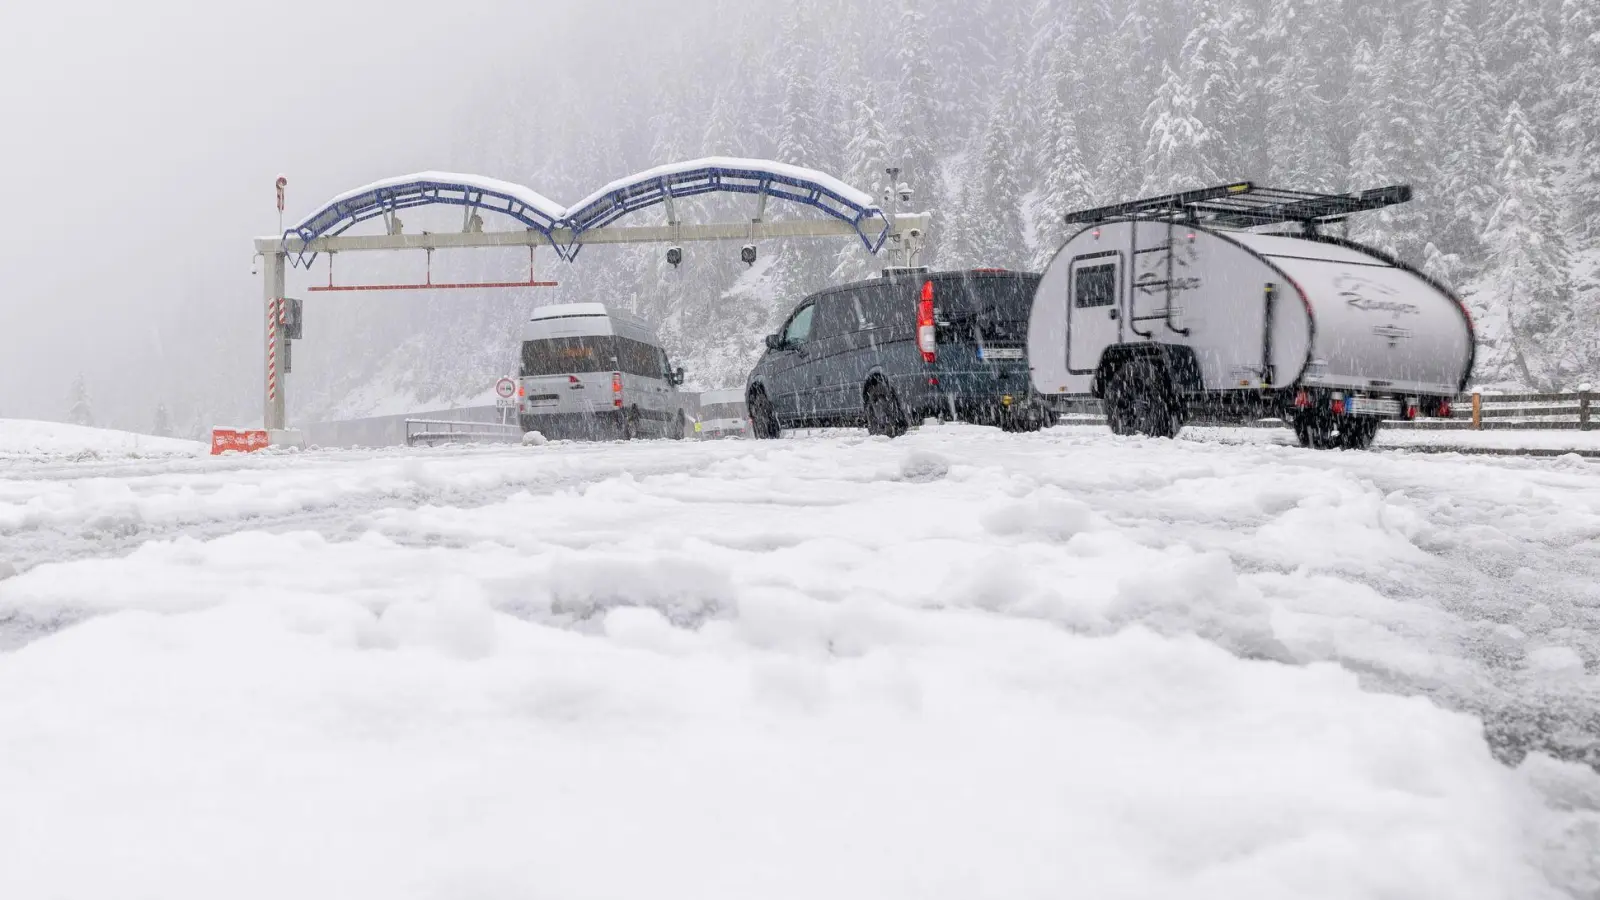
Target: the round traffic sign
(505, 388)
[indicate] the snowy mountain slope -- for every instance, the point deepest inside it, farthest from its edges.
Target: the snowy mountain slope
(24, 438)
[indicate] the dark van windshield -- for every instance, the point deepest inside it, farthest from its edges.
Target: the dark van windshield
(569, 355)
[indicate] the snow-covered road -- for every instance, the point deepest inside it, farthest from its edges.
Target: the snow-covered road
(959, 664)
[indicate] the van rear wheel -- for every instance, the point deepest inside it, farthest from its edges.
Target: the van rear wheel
(630, 423)
(1140, 399)
(884, 415)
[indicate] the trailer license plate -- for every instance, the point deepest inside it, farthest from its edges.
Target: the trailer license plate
(1000, 353)
(1373, 406)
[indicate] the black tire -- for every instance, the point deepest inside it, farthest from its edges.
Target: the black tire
(1320, 431)
(763, 420)
(1140, 399)
(630, 423)
(1315, 431)
(883, 411)
(1024, 420)
(1358, 434)
(679, 426)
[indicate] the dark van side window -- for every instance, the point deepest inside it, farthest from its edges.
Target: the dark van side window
(568, 355)
(836, 315)
(799, 328)
(1095, 286)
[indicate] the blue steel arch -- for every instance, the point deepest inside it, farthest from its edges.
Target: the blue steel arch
(618, 199)
(425, 189)
(738, 176)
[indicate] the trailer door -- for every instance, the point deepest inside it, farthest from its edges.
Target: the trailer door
(1094, 308)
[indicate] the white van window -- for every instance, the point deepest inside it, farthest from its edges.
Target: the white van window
(568, 355)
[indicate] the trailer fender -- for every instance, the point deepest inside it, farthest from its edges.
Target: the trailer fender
(1179, 361)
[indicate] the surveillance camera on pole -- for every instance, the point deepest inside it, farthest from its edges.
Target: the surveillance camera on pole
(747, 254)
(674, 256)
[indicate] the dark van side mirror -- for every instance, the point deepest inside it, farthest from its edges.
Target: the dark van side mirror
(774, 342)
(677, 375)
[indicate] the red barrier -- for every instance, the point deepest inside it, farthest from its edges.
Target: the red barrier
(225, 439)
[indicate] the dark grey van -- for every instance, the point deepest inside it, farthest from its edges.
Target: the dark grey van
(894, 350)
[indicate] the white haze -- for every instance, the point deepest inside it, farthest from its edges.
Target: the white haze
(140, 143)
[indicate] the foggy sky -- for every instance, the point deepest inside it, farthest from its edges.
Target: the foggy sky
(141, 141)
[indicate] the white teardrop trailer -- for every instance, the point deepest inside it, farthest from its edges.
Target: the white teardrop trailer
(1173, 307)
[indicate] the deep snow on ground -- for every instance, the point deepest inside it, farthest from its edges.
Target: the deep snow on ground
(30, 439)
(959, 664)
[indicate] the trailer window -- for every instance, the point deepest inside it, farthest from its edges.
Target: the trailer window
(1095, 286)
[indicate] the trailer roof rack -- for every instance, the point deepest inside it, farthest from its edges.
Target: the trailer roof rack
(1243, 204)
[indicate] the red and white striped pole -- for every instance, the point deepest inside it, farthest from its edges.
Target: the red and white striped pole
(274, 320)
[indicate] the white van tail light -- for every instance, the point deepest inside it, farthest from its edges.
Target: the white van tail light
(925, 335)
(616, 389)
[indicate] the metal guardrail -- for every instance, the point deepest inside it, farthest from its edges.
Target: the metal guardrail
(1573, 411)
(439, 431)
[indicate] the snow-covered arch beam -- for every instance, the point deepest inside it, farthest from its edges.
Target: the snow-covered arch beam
(566, 228)
(728, 175)
(384, 198)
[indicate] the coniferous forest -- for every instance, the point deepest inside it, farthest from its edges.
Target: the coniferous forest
(1005, 114)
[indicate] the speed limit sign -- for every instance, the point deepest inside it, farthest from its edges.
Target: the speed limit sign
(505, 389)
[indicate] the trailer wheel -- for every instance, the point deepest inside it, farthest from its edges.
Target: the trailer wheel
(1140, 399)
(1315, 431)
(1358, 434)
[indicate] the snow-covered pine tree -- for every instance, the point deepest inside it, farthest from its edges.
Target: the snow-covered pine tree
(81, 408)
(1522, 54)
(1210, 63)
(1302, 109)
(1462, 128)
(1066, 180)
(866, 156)
(1526, 269)
(162, 426)
(994, 186)
(798, 127)
(1177, 145)
(1384, 150)
(1580, 116)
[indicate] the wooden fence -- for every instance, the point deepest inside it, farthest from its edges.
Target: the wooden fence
(1536, 412)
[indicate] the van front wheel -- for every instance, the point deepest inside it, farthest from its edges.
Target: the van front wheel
(763, 421)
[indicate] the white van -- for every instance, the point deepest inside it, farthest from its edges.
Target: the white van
(591, 373)
(722, 414)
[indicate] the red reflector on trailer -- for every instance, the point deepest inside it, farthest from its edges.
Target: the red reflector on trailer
(1338, 407)
(1444, 409)
(1302, 400)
